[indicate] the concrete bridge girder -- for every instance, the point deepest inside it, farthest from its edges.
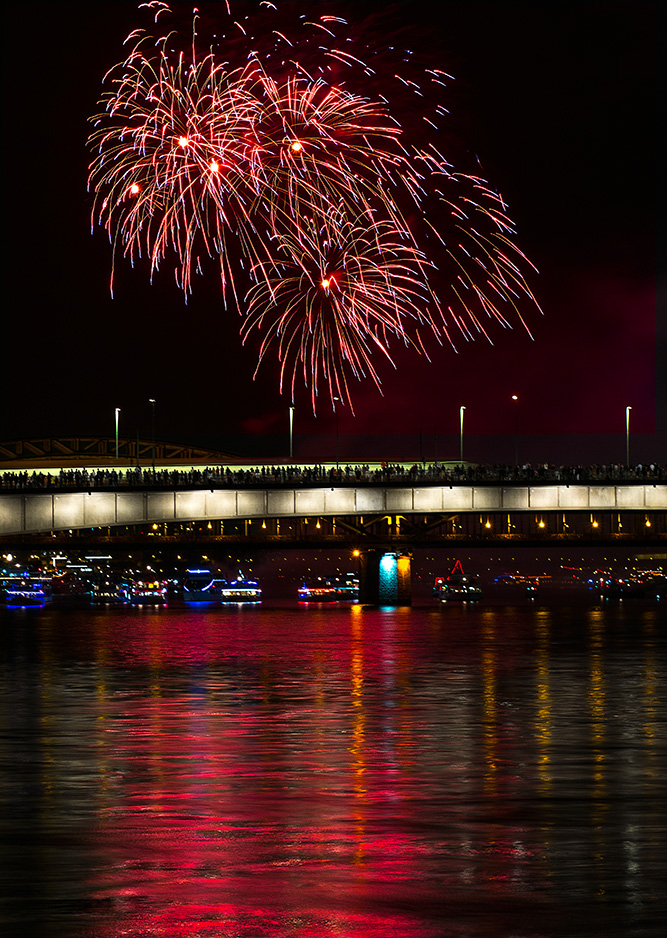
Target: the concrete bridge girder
(37, 512)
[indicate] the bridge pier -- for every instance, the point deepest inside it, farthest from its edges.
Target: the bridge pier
(385, 577)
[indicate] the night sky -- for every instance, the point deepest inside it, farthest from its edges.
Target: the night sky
(558, 102)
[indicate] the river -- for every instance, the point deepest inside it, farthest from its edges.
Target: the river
(486, 771)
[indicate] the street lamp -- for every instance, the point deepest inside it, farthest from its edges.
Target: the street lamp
(291, 431)
(151, 401)
(337, 400)
(516, 429)
(461, 411)
(627, 435)
(117, 415)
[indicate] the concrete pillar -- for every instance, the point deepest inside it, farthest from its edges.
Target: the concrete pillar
(385, 577)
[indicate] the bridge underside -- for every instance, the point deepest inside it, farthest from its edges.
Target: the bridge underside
(409, 530)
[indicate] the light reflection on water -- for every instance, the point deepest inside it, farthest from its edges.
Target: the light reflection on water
(486, 771)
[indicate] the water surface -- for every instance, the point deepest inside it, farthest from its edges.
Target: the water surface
(335, 771)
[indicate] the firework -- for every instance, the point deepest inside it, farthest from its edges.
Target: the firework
(170, 175)
(318, 184)
(314, 141)
(339, 292)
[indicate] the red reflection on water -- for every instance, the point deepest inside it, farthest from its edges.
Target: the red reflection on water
(257, 779)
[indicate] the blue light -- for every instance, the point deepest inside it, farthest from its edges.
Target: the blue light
(388, 580)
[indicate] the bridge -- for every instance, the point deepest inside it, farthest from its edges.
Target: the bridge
(102, 451)
(384, 523)
(420, 513)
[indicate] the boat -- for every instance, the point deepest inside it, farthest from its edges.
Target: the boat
(201, 586)
(650, 584)
(241, 590)
(26, 591)
(110, 591)
(458, 586)
(70, 589)
(148, 592)
(330, 589)
(521, 583)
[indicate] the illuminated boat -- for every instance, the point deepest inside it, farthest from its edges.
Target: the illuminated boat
(27, 592)
(110, 591)
(520, 583)
(330, 589)
(200, 586)
(70, 589)
(635, 585)
(148, 592)
(241, 590)
(458, 586)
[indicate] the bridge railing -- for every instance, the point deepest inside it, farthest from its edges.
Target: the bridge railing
(320, 475)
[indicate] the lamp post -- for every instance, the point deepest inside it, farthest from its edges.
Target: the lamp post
(291, 431)
(151, 401)
(516, 429)
(461, 412)
(627, 435)
(337, 400)
(117, 415)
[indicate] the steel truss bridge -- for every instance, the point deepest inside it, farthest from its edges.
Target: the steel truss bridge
(101, 451)
(364, 515)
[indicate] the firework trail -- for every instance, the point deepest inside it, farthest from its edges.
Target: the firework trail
(317, 183)
(169, 173)
(339, 290)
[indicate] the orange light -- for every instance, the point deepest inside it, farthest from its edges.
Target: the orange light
(134, 189)
(183, 141)
(325, 283)
(296, 146)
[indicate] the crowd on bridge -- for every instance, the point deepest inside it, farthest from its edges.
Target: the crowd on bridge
(317, 475)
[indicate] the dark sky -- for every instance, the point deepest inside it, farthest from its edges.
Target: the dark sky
(558, 101)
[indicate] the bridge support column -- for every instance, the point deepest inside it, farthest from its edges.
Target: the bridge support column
(385, 577)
